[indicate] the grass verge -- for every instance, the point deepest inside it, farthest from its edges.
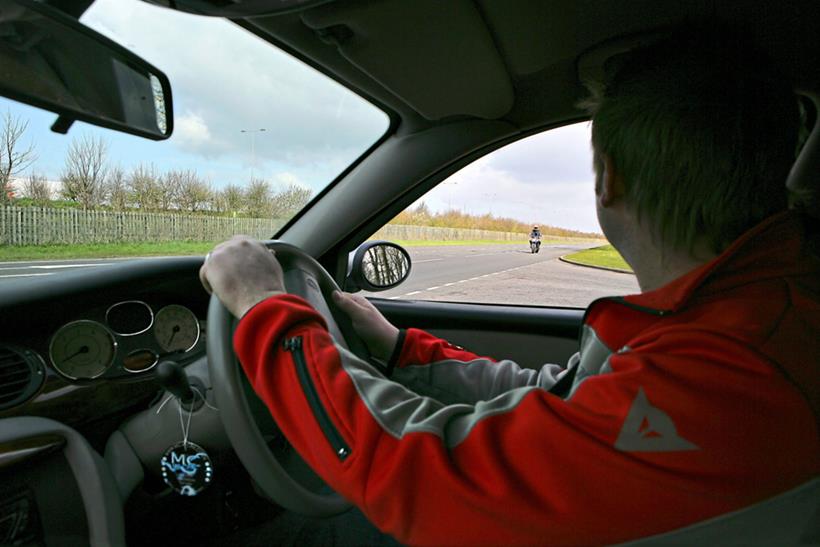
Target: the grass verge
(181, 248)
(454, 242)
(605, 256)
(104, 250)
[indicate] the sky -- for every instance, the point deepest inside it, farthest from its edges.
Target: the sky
(226, 80)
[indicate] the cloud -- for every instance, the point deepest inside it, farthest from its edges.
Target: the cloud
(558, 155)
(233, 80)
(191, 131)
(546, 178)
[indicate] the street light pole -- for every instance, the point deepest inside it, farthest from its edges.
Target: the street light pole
(253, 133)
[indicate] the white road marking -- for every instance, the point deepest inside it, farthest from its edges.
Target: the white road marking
(427, 260)
(24, 275)
(56, 266)
(450, 284)
(123, 259)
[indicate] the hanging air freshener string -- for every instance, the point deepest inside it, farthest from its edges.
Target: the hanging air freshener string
(185, 427)
(196, 392)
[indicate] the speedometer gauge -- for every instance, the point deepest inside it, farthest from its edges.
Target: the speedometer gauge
(82, 350)
(176, 328)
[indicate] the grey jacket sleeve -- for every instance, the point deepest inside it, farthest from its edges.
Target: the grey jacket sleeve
(454, 382)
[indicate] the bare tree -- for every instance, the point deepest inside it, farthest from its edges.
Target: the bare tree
(287, 202)
(13, 157)
(258, 198)
(37, 189)
(144, 188)
(117, 189)
(168, 188)
(193, 194)
(229, 200)
(83, 177)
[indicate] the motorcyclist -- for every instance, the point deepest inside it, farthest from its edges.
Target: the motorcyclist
(535, 239)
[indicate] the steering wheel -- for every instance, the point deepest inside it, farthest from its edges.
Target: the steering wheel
(280, 473)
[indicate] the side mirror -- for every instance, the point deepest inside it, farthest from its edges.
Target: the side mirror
(378, 266)
(52, 61)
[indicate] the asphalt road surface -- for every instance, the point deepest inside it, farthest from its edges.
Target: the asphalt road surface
(507, 274)
(500, 274)
(15, 270)
(19, 273)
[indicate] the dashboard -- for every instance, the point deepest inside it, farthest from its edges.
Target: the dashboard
(91, 340)
(78, 354)
(128, 337)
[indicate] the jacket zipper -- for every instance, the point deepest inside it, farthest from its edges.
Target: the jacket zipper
(337, 443)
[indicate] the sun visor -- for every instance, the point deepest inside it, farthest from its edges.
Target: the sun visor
(438, 57)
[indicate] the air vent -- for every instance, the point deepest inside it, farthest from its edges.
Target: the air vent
(21, 374)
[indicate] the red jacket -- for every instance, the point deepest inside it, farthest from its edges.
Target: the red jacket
(683, 403)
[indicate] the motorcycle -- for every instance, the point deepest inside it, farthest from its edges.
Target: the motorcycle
(535, 244)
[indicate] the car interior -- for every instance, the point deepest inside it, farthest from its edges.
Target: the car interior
(80, 456)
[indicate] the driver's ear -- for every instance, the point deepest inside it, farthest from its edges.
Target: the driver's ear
(609, 187)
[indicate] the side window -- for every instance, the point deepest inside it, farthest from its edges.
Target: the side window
(469, 237)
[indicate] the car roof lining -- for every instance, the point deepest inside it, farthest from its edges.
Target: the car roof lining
(409, 57)
(463, 73)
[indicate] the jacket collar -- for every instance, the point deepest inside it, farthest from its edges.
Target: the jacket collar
(774, 248)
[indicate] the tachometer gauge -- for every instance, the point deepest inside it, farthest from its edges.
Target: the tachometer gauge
(82, 350)
(176, 328)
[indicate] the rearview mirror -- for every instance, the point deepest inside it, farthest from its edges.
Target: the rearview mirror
(378, 266)
(52, 61)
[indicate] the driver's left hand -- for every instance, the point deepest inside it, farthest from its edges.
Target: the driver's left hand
(242, 272)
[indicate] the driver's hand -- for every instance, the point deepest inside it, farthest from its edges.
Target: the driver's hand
(376, 331)
(242, 272)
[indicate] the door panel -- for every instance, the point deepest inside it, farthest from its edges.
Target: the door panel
(529, 336)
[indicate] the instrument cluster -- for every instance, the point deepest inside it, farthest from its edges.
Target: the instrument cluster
(131, 338)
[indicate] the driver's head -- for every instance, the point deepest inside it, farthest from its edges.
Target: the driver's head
(701, 130)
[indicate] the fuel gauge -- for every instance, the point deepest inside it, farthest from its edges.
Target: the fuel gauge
(176, 328)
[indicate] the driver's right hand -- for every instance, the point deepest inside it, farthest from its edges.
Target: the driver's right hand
(242, 272)
(378, 333)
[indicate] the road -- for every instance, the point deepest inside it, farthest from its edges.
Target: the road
(19, 273)
(11, 270)
(503, 274)
(507, 274)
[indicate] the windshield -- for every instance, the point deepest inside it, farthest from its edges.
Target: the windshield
(257, 135)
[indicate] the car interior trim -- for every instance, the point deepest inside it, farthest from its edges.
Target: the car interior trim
(794, 511)
(103, 507)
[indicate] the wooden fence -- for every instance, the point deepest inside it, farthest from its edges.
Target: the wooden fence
(436, 233)
(45, 226)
